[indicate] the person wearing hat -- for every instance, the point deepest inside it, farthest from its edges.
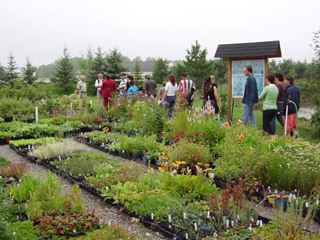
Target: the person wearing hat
(122, 85)
(186, 89)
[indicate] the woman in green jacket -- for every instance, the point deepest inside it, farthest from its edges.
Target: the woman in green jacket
(269, 96)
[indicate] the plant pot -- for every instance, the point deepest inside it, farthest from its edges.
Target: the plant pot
(8, 139)
(272, 199)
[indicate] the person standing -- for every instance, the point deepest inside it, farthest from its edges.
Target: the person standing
(122, 85)
(278, 80)
(133, 90)
(292, 94)
(149, 87)
(269, 96)
(170, 94)
(108, 89)
(209, 93)
(186, 89)
(82, 86)
(98, 85)
(250, 97)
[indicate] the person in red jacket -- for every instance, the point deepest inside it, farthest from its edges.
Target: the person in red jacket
(108, 90)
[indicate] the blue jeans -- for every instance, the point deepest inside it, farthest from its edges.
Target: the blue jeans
(248, 113)
(83, 94)
(279, 117)
(170, 103)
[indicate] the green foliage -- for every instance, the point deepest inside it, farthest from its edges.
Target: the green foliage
(160, 70)
(24, 231)
(110, 232)
(11, 70)
(114, 61)
(29, 72)
(137, 71)
(64, 70)
(18, 109)
(315, 120)
(197, 65)
(220, 70)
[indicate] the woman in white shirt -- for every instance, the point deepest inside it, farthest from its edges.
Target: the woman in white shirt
(169, 95)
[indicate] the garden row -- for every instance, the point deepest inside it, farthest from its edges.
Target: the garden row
(35, 208)
(185, 204)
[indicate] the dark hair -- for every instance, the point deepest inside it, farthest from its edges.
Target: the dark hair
(289, 78)
(270, 78)
(130, 77)
(183, 75)
(206, 86)
(108, 77)
(249, 68)
(172, 79)
(131, 83)
(279, 76)
(147, 77)
(122, 74)
(164, 83)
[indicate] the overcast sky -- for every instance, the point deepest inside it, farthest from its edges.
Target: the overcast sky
(39, 29)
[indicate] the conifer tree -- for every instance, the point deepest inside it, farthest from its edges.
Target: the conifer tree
(64, 70)
(29, 72)
(197, 64)
(114, 63)
(137, 71)
(12, 69)
(160, 70)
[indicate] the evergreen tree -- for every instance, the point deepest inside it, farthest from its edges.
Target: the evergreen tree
(114, 63)
(29, 72)
(64, 70)
(219, 70)
(150, 59)
(137, 71)
(2, 72)
(11, 70)
(178, 68)
(197, 64)
(160, 70)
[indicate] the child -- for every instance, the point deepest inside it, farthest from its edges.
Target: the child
(133, 90)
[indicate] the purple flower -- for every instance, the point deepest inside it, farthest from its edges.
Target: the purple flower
(259, 142)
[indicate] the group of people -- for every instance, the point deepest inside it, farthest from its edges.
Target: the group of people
(281, 99)
(106, 88)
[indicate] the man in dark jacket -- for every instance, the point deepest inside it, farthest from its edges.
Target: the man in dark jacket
(291, 94)
(250, 97)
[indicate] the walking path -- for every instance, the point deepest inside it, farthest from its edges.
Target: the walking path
(108, 213)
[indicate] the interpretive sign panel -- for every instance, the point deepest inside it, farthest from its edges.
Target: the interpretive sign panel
(239, 79)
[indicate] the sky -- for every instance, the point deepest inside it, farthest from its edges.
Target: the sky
(39, 29)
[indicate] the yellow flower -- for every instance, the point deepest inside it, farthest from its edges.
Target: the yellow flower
(199, 163)
(207, 169)
(106, 129)
(150, 170)
(91, 133)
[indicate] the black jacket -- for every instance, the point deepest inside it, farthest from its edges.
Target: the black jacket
(292, 93)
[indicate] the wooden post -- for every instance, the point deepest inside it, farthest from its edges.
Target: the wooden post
(229, 89)
(36, 114)
(266, 68)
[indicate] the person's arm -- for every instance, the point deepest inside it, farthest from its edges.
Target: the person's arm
(263, 94)
(251, 89)
(164, 96)
(217, 96)
(102, 87)
(78, 87)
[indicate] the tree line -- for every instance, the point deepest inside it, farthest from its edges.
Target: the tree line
(196, 64)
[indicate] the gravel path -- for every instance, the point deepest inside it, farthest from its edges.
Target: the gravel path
(106, 212)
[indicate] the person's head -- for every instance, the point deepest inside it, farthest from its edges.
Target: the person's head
(82, 78)
(122, 76)
(164, 83)
(206, 85)
(270, 78)
(108, 77)
(212, 79)
(247, 70)
(147, 77)
(183, 75)
(288, 79)
(131, 83)
(278, 77)
(100, 75)
(130, 78)
(172, 79)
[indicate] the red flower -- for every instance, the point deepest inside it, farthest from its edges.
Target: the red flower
(204, 133)
(197, 134)
(177, 139)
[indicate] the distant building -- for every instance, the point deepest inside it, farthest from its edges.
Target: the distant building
(146, 67)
